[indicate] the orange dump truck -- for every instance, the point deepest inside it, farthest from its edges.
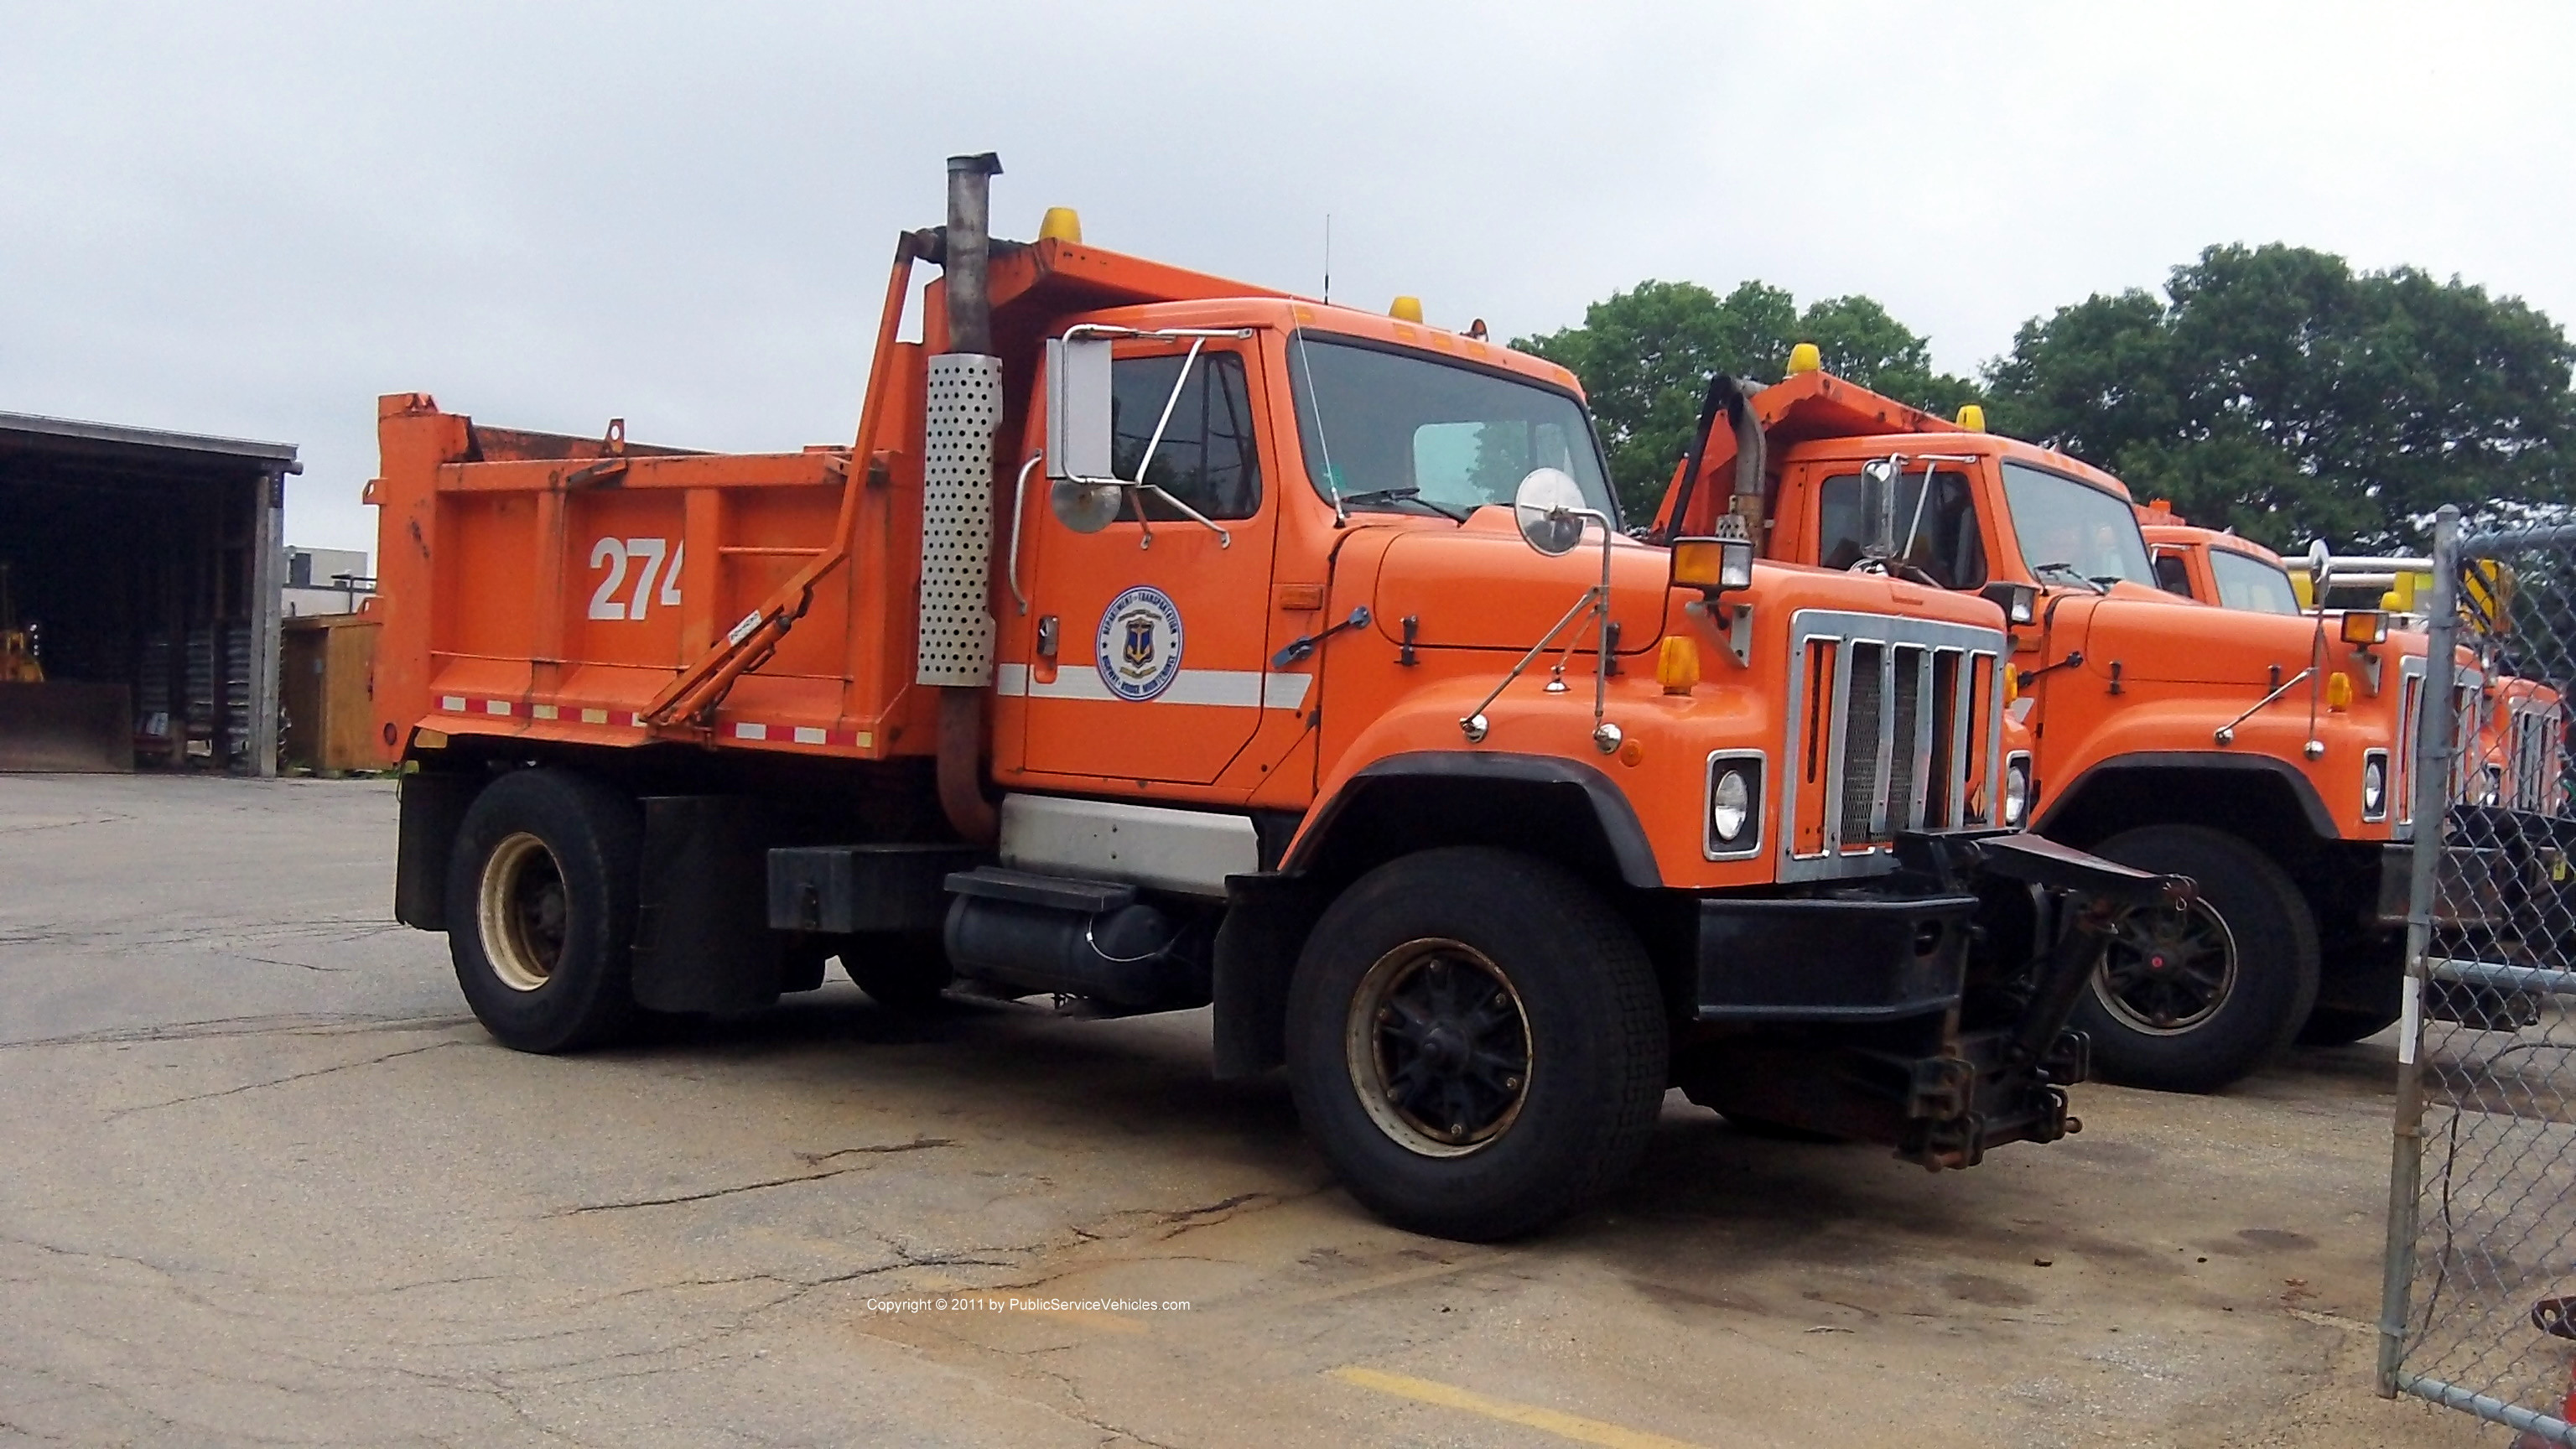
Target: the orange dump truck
(2265, 757)
(1163, 641)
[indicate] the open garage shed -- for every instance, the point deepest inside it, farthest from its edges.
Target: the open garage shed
(144, 566)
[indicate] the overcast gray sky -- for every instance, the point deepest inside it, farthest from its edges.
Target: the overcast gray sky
(252, 219)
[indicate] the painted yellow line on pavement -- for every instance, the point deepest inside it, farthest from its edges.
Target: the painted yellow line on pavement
(1449, 1396)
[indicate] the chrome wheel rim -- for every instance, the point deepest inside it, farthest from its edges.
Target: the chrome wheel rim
(521, 909)
(2166, 972)
(1438, 1047)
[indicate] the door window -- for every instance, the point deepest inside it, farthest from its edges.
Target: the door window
(1205, 457)
(1938, 536)
(2173, 574)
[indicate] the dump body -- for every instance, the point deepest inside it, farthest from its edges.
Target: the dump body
(1184, 643)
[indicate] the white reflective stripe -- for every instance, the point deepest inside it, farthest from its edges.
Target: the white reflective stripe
(542, 711)
(594, 716)
(1224, 688)
(496, 706)
(452, 703)
(751, 731)
(2410, 1019)
(808, 735)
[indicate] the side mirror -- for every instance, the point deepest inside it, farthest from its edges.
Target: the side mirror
(1878, 507)
(1548, 507)
(2320, 564)
(1077, 443)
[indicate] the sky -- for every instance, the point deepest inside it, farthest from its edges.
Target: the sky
(250, 219)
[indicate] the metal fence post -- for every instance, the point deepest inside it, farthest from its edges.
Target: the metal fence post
(2434, 750)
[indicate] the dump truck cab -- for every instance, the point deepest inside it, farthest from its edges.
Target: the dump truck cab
(1165, 642)
(2259, 750)
(2215, 567)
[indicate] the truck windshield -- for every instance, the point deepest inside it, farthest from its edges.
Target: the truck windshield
(2074, 530)
(1399, 432)
(2247, 582)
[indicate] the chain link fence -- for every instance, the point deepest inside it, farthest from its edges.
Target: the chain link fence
(2480, 1304)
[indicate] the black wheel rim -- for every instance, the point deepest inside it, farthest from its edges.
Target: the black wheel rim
(2167, 972)
(1438, 1046)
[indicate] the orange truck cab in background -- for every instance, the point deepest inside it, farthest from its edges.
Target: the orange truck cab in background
(2264, 756)
(2214, 567)
(1163, 641)
(2513, 725)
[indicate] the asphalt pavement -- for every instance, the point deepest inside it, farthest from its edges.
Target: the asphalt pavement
(264, 1181)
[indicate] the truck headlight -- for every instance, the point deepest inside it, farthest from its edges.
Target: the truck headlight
(1734, 805)
(2017, 791)
(2374, 784)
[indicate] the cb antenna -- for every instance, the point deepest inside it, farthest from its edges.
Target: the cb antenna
(1328, 258)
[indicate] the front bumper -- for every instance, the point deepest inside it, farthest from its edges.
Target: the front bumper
(1850, 956)
(1853, 1012)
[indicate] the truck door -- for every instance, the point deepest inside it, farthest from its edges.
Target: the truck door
(1159, 627)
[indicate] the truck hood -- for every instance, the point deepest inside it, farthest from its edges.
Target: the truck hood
(2181, 643)
(1478, 586)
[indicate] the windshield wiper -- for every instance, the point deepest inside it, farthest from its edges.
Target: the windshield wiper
(2068, 571)
(1403, 495)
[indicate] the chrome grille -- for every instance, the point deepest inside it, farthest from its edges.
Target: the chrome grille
(1893, 718)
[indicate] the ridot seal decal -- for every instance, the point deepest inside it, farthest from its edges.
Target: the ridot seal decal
(1139, 647)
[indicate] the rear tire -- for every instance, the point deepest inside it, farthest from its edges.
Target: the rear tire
(541, 906)
(904, 971)
(1475, 1042)
(2191, 1001)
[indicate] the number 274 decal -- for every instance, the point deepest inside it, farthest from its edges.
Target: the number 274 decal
(614, 555)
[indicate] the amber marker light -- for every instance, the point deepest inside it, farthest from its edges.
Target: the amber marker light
(2365, 627)
(1676, 668)
(1713, 565)
(2338, 691)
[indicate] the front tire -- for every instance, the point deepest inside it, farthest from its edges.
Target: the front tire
(2192, 1000)
(1475, 1042)
(541, 906)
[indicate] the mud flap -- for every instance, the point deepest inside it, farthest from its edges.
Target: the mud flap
(1266, 921)
(702, 937)
(431, 807)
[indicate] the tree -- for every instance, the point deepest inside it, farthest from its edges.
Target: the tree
(2275, 391)
(1645, 357)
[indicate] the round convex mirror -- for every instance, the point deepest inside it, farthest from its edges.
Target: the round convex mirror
(1085, 507)
(2317, 566)
(1549, 508)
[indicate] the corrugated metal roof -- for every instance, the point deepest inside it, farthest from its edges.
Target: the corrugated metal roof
(117, 435)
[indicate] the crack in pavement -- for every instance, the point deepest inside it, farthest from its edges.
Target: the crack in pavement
(280, 1081)
(287, 1024)
(917, 1144)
